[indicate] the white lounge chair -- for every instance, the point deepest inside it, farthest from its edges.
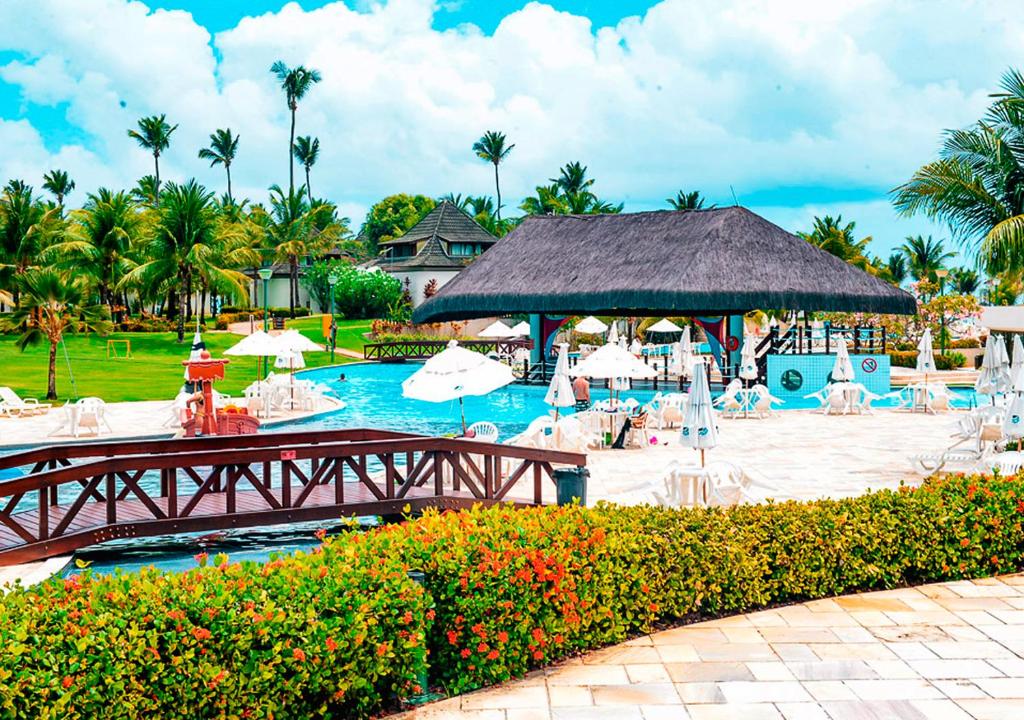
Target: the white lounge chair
(12, 405)
(729, 402)
(765, 400)
(972, 442)
(483, 431)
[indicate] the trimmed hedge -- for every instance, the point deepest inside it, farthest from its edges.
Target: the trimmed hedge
(341, 630)
(949, 361)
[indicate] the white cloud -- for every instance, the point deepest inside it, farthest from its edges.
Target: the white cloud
(752, 94)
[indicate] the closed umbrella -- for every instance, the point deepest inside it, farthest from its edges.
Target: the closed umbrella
(925, 354)
(1005, 380)
(1013, 423)
(842, 369)
(698, 430)
(988, 378)
(590, 326)
(560, 393)
(686, 358)
(455, 373)
(1018, 357)
(497, 329)
(613, 333)
(748, 359)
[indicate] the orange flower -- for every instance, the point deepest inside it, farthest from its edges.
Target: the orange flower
(299, 655)
(201, 633)
(66, 682)
(482, 647)
(965, 542)
(320, 534)
(323, 571)
(407, 618)
(502, 636)
(492, 655)
(431, 614)
(466, 652)
(382, 649)
(331, 645)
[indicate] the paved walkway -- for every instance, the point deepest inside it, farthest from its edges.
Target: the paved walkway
(953, 651)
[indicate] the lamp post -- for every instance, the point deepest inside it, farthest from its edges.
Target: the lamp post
(332, 280)
(941, 274)
(265, 273)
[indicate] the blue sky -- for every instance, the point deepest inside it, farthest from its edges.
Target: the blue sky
(795, 108)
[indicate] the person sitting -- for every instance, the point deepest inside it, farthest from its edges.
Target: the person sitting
(581, 391)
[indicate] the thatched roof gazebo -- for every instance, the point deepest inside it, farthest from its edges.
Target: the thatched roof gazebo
(724, 261)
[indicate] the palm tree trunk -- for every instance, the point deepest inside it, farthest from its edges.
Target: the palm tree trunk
(497, 191)
(156, 191)
(202, 304)
(293, 284)
(309, 189)
(181, 314)
(51, 375)
(291, 158)
(227, 169)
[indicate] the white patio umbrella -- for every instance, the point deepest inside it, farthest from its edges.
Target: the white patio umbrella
(925, 354)
(290, 345)
(988, 378)
(455, 373)
(258, 344)
(686, 357)
(1013, 423)
(560, 393)
(497, 329)
(613, 332)
(748, 358)
(842, 369)
(1018, 357)
(520, 329)
(664, 326)
(590, 326)
(1005, 380)
(698, 430)
(613, 363)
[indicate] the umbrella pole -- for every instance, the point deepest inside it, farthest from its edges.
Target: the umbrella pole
(702, 457)
(462, 413)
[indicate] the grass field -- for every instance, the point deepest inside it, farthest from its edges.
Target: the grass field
(155, 371)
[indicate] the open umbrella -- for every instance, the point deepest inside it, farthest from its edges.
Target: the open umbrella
(560, 393)
(521, 328)
(290, 345)
(455, 373)
(925, 354)
(842, 369)
(258, 344)
(613, 363)
(497, 329)
(698, 430)
(590, 326)
(664, 326)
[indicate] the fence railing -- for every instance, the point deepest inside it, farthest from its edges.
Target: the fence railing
(421, 349)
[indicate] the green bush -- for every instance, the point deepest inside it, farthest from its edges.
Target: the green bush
(507, 591)
(226, 318)
(962, 343)
(908, 359)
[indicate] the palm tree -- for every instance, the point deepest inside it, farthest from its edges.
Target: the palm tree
(26, 228)
(547, 201)
(53, 303)
(59, 183)
(572, 179)
(977, 184)
(832, 236)
(491, 147)
(896, 268)
(687, 201)
(295, 82)
(964, 281)
(99, 242)
(297, 229)
(925, 256)
(457, 199)
(146, 192)
(306, 151)
(222, 149)
(190, 246)
(154, 134)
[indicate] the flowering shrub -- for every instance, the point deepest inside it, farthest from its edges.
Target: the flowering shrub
(339, 632)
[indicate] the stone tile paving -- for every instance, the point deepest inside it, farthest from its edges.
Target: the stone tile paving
(952, 651)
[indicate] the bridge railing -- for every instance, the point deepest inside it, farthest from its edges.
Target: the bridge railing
(421, 349)
(188, 488)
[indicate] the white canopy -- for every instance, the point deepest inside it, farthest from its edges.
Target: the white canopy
(258, 344)
(842, 369)
(748, 359)
(590, 326)
(611, 361)
(925, 354)
(294, 341)
(497, 329)
(455, 373)
(698, 429)
(664, 326)
(521, 328)
(560, 390)
(292, 360)
(1008, 318)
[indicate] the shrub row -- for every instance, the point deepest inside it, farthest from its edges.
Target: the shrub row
(949, 361)
(342, 630)
(226, 318)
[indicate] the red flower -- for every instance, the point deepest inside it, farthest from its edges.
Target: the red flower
(965, 542)
(482, 647)
(453, 639)
(492, 655)
(201, 558)
(299, 655)
(407, 618)
(320, 534)
(538, 634)
(502, 636)
(323, 571)
(201, 633)
(538, 655)
(431, 614)
(466, 652)
(331, 645)
(382, 649)
(66, 682)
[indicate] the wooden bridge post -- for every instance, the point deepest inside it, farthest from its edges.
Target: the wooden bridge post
(44, 515)
(111, 499)
(172, 492)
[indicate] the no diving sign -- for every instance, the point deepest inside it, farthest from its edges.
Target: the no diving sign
(869, 365)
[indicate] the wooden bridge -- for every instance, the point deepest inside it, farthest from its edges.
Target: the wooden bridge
(74, 496)
(401, 350)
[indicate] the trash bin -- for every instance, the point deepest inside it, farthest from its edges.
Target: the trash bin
(571, 485)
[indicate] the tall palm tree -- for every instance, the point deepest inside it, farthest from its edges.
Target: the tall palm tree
(295, 82)
(964, 281)
(977, 184)
(925, 256)
(59, 183)
(26, 228)
(297, 229)
(99, 242)
(154, 135)
(831, 235)
(687, 201)
(222, 150)
(572, 179)
(492, 148)
(306, 151)
(145, 191)
(896, 268)
(189, 245)
(53, 303)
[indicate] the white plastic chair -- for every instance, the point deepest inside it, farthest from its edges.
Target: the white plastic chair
(836, 401)
(483, 431)
(765, 400)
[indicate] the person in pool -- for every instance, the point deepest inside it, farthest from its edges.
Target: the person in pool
(341, 378)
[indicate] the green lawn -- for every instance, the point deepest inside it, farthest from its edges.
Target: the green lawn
(155, 371)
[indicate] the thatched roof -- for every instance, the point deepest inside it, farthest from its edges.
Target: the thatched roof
(431, 256)
(448, 222)
(703, 262)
